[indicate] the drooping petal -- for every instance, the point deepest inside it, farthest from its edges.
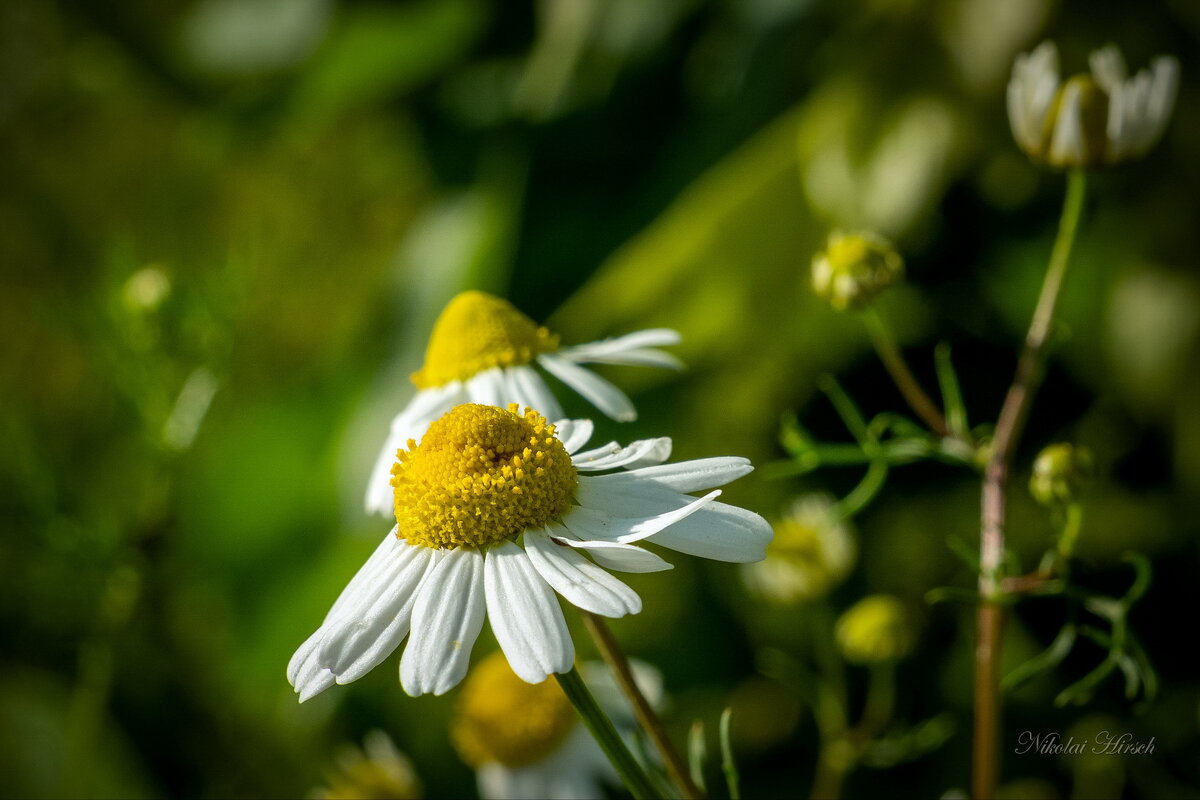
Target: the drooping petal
(581, 582)
(525, 615)
(592, 523)
(613, 555)
(371, 637)
(720, 532)
(446, 620)
(601, 393)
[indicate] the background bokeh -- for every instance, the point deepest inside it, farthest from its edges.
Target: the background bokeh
(226, 228)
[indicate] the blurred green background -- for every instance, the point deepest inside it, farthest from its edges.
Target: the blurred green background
(226, 228)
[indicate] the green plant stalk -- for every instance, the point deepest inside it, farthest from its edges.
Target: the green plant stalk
(989, 617)
(602, 730)
(728, 764)
(610, 651)
(897, 367)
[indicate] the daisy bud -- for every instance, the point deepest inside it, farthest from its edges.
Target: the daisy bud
(1060, 472)
(875, 630)
(1094, 119)
(853, 268)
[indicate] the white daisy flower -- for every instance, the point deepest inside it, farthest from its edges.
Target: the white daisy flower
(496, 511)
(483, 350)
(812, 552)
(526, 742)
(1104, 117)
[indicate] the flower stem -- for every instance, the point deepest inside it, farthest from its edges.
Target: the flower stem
(611, 651)
(897, 367)
(989, 620)
(601, 728)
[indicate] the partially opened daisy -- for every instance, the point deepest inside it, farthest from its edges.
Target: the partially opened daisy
(1104, 117)
(526, 741)
(496, 511)
(483, 350)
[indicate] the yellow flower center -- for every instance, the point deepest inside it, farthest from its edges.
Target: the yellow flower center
(481, 475)
(500, 718)
(478, 331)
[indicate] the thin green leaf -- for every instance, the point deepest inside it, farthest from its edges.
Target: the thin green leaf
(1044, 661)
(697, 754)
(952, 399)
(728, 764)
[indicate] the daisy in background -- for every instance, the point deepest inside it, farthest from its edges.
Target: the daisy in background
(496, 511)
(379, 771)
(525, 741)
(812, 552)
(483, 350)
(1105, 117)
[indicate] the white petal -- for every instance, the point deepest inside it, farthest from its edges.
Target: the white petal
(633, 358)
(1108, 67)
(614, 555)
(720, 532)
(446, 619)
(526, 388)
(592, 523)
(373, 637)
(697, 475)
(525, 615)
(653, 337)
(1067, 145)
(601, 393)
(581, 582)
(638, 453)
(425, 406)
(573, 433)
(304, 670)
(489, 388)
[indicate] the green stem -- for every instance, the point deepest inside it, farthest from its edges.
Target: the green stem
(897, 367)
(989, 621)
(601, 728)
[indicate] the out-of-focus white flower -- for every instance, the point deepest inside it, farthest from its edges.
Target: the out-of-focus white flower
(378, 771)
(876, 629)
(1103, 117)
(811, 553)
(525, 741)
(483, 350)
(497, 511)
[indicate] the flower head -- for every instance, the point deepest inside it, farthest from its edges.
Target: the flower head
(526, 740)
(813, 550)
(874, 630)
(496, 511)
(1097, 118)
(376, 772)
(853, 268)
(484, 350)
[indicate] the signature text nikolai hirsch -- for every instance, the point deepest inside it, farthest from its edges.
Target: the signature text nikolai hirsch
(1104, 743)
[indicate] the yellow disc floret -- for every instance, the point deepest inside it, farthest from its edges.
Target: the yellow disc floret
(481, 475)
(478, 331)
(500, 718)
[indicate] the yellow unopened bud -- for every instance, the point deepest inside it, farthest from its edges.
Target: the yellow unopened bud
(1060, 472)
(876, 629)
(853, 268)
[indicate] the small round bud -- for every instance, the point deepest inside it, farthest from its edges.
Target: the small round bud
(146, 289)
(876, 629)
(1060, 472)
(853, 268)
(812, 552)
